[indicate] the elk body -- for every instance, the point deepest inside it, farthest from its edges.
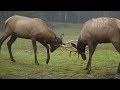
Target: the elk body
(30, 28)
(96, 31)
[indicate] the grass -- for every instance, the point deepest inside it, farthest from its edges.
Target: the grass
(61, 66)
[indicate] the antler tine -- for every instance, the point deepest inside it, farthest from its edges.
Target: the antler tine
(70, 41)
(68, 47)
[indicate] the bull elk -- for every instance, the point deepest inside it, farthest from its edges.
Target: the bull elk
(30, 28)
(96, 31)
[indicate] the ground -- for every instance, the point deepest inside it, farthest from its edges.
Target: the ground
(104, 63)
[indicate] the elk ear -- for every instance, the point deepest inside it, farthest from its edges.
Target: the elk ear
(74, 45)
(61, 36)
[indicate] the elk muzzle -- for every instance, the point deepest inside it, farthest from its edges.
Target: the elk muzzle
(83, 56)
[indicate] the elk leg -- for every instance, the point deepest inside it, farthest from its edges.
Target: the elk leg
(9, 44)
(3, 39)
(48, 53)
(35, 50)
(92, 47)
(117, 46)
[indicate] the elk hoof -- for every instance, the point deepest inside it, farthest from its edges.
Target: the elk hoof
(47, 62)
(88, 71)
(86, 68)
(13, 60)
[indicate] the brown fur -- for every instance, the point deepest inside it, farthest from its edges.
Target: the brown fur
(96, 31)
(30, 28)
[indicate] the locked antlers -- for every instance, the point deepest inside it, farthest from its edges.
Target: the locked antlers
(69, 47)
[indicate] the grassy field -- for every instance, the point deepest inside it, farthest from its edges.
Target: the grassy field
(61, 66)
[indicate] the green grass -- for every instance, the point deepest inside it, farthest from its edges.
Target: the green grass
(61, 66)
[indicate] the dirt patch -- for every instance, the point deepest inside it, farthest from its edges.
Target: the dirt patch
(49, 77)
(35, 76)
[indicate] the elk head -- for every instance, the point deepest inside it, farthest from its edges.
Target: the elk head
(80, 50)
(71, 47)
(57, 42)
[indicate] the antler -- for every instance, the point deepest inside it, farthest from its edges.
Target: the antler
(68, 47)
(69, 42)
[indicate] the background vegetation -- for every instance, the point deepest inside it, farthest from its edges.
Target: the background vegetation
(61, 66)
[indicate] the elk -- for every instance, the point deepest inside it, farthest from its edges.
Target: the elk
(96, 31)
(30, 28)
